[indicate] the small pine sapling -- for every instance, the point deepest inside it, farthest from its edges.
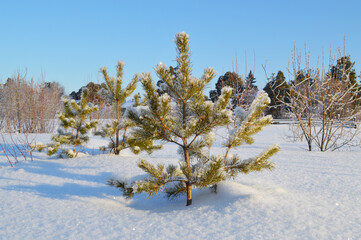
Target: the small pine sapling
(74, 127)
(183, 116)
(117, 95)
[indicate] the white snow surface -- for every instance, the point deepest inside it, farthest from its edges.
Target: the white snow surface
(310, 195)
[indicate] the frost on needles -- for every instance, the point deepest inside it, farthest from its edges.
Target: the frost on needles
(183, 116)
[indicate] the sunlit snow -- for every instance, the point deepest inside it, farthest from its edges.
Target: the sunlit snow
(309, 195)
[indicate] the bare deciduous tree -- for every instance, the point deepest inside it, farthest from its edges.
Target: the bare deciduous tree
(325, 107)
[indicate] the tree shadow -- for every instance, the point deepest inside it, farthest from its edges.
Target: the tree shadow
(17, 151)
(65, 191)
(94, 184)
(58, 169)
(206, 199)
(93, 151)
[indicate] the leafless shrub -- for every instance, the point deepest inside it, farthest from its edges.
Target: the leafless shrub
(325, 103)
(17, 146)
(27, 106)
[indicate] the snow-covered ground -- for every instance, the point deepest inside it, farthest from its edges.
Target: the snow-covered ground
(310, 195)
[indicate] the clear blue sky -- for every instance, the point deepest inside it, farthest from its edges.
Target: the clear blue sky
(70, 41)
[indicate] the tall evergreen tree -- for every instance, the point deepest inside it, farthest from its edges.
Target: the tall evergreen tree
(249, 93)
(278, 91)
(344, 71)
(183, 117)
(74, 127)
(117, 95)
(230, 79)
(251, 80)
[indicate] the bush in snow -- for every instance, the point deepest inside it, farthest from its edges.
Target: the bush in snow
(117, 95)
(324, 102)
(74, 127)
(182, 116)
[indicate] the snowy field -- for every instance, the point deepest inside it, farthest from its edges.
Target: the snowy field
(310, 195)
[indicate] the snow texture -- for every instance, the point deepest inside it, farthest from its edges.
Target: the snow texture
(310, 195)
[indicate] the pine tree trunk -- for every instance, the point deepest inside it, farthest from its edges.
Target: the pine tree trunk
(117, 112)
(74, 146)
(189, 194)
(116, 151)
(188, 184)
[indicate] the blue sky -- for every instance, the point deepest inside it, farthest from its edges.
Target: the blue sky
(69, 41)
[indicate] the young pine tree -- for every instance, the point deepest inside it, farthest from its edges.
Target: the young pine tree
(182, 116)
(118, 96)
(74, 127)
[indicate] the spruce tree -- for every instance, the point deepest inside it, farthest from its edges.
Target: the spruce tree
(251, 80)
(117, 95)
(249, 93)
(74, 127)
(182, 116)
(278, 91)
(344, 72)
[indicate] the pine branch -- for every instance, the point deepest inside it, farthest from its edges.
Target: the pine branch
(177, 190)
(211, 175)
(258, 163)
(128, 192)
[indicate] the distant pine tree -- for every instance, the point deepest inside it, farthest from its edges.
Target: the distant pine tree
(249, 93)
(251, 80)
(229, 79)
(74, 127)
(278, 91)
(344, 72)
(182, 116)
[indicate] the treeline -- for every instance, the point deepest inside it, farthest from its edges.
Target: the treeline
(281, 92)
(29, 106)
